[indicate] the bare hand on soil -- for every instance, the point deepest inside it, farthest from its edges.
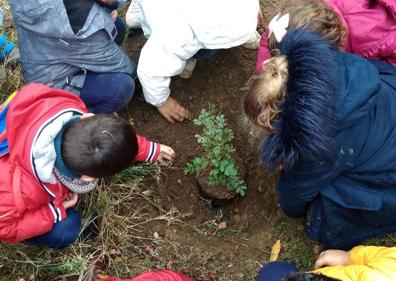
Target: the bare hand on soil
(173, 111)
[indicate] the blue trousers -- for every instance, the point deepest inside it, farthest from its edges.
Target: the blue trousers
(62, 234)
(276, 271)
(121, 29)
(203, 54)
(107, 92)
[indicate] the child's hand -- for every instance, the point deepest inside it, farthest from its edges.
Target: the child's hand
(173, 111)
(114, 15)
(332, 258)
(166, 153)
(70, 201)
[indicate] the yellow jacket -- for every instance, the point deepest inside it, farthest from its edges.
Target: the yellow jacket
(366, 263)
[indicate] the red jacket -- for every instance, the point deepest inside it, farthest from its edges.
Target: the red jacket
(28, 206)
(162, 275)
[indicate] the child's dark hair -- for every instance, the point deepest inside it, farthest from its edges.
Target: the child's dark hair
(308, 276)
(99, 146)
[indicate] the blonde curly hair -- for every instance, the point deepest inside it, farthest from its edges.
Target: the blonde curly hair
(269, 88)
(267, 92)
(315, 15)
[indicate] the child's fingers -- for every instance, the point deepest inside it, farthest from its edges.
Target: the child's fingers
(167, 152)
(71, 200)
(167, 149)
(167, 116)
(332, 258)
(74, 199)
(177, 117)
(114, 15)
(322, 260)
(170, 118)
(319, 263)
(167, 157)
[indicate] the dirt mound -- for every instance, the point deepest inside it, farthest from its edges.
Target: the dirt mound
(249, 221)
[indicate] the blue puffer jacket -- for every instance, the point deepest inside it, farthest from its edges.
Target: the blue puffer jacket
(336, 142)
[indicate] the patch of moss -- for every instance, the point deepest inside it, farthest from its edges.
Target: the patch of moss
(296, 248)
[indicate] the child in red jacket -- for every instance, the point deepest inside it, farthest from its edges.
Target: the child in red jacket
(363, 27)
(51, 150)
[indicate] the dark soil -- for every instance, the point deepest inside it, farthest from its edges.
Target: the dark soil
(250, 221)
(218, 195)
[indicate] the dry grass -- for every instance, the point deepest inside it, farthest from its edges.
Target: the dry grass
(121, 224)
(14, 78)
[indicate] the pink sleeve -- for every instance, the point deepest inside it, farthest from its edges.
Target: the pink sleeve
(147, 150)
(162, 275)
(390, 4)
(263, 51)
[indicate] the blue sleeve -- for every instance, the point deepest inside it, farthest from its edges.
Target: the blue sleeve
(297, 188)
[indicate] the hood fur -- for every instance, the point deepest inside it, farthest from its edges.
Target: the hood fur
(305, 128)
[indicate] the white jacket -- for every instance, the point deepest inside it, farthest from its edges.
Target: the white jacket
(177, 29)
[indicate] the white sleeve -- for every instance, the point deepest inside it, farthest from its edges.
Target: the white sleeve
(159, 61)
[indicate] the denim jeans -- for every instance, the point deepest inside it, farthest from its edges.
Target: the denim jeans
(107, 92)
(63, 234)
(120, 26)
(204, 54)
(276, 271)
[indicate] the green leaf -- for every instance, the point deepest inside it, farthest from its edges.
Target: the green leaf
(189, 169)
(214, 172)
(223, 164)
(215, 140)
(231, 170)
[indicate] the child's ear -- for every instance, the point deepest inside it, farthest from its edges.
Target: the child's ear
(87, 178)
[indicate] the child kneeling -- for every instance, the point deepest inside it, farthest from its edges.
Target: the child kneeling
(359, 264)
(51, 150)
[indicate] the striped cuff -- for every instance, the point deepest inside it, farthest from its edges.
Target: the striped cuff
(153, 152)
(148, 150)
(59, 213)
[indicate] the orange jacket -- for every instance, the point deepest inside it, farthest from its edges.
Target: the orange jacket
(366, 263)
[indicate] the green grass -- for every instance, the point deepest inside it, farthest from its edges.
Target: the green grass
(14, 79)
(302, 252)
(138, 172)
(296, 248)
(388, 240)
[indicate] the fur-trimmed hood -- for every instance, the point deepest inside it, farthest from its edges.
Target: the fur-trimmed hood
(326, 91)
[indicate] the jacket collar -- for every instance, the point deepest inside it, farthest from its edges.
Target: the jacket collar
(59, 163)
(305, 127)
